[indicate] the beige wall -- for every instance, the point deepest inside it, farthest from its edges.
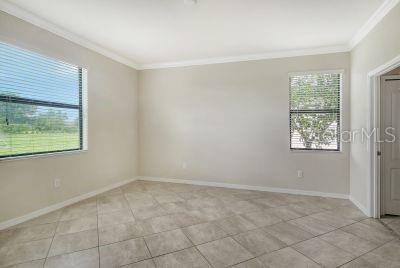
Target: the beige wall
(27, 185)
(230, 123)
(380, 46)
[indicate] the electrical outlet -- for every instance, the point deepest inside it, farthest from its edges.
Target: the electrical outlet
(299, 173)
(57, 183)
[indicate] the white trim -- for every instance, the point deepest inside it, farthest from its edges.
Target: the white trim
(373, 122)
(360, 206)
(40, 212)
(337, 71)
(19, 12)
(271, 55)
(245, 187)
(85, 109)
(376, 17)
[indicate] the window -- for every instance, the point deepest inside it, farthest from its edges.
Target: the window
(315, 111)
(40, 104)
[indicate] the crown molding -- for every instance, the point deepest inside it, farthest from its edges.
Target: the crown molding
(37, 21)
(251, 57)
(376, 17)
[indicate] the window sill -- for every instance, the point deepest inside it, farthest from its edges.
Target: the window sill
(43, 155)
(296, 151)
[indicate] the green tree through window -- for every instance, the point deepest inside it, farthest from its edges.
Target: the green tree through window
(315, 111)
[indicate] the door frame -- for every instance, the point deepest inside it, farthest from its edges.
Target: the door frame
(373, 123)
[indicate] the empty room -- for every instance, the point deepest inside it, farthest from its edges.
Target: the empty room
(199, 133)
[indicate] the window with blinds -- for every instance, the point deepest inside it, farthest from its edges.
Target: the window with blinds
(40, 104)
(315, 106)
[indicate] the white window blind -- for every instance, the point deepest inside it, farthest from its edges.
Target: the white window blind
(40, 103)
(315, 106)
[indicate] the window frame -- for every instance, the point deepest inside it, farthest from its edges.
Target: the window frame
(339, 148)
(81, 107)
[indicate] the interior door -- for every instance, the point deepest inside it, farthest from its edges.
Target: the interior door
(390, 160)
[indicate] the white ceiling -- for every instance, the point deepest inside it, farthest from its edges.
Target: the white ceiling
(152, 32)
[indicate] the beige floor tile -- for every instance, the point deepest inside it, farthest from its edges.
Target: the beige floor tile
(194, 195)
(122, 253)
(142, 264)
(124, 231)
(211, 213)
(224, 252)
(270, 202)
(288, 233)
(106, 204)
(312, 225)
(204, 232)
(73, 242)
(236, 224)
(259, 242)
(30, 264)
(259, 222)
(116, 217)
(285, 213)
(261, 218)
(306, 207)
(136, 195)
(243, 206)
(286, 258)
(185, 258)
(323, 252)
(77, 225)
(349, 242)
(142, 203)
(253, 263)
(365, 231)
(78, 210)
(185, 219)
(24, 252)
(176, 207)
(167, 242)
(359, 263)
(387, 255)
(163, 223)
(81, 259)
(149, 212)
(34, 232)
(204, 202)
(350, 213)
(395, 226)
(386, 219)
(332, 219)
(168, 198)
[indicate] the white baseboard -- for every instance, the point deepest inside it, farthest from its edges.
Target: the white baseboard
(245, 187)
(40, 212)
(360, 206)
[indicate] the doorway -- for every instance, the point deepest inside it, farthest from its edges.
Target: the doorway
(389, 147)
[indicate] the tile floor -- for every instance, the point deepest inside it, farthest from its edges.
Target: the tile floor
(152, 224)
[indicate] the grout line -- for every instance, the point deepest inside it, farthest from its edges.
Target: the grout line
(182, 227)
(52, 240)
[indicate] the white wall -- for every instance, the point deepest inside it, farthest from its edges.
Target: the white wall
(27, 185)
(380, 46)
(230, 123)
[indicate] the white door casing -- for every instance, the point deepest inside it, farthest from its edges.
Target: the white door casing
(390, 159)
